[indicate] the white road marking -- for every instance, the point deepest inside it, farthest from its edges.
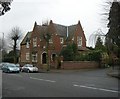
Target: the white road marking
(43, 79)
(18, 75)
(96, 88)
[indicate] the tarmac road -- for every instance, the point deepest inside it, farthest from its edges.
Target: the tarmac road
(80, 83)
(0, 84)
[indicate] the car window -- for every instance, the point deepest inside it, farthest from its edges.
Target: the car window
(17, 66)
(28, 65)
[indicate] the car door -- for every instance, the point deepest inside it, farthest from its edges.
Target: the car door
(25, 68)
(5, 68)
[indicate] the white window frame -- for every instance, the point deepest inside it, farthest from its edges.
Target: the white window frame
(27, 45)
(50, 40)
(35, 42)
(42, 57)
(52, 56)
(27, 56)
(61, 40)
(73, 39)
(34, 57)
(79, 41)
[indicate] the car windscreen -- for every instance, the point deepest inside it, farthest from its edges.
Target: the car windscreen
(11, 65)
(30, 65)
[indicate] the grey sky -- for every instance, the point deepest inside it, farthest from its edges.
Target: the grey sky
(24, 13)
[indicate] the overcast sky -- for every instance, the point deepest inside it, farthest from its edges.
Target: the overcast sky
(24, 13)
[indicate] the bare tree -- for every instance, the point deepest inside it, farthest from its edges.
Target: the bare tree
(105, 13)
(4, 6)
(15, 36)
(111, 16)
(46, 36)
(94, 36)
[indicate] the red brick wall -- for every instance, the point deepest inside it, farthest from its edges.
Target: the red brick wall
(79, 32)
(79, 64)
(23, 52)
(55, 37)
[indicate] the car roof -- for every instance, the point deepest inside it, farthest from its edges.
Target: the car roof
(28, 65)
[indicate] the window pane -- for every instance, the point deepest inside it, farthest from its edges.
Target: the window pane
(34, 57)
(50, 40)
(27, 56)
(61, 40)
(35, 42)
(79, 41)
(27, 44)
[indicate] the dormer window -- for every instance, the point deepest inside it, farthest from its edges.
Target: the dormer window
(61, 40)
(79, 41)
(73, 39)
(27, 44)
(35, 42)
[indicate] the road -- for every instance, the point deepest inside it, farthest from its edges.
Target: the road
(83, 83)
(0, 84)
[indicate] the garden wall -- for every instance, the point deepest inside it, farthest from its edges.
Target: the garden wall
(79, 65)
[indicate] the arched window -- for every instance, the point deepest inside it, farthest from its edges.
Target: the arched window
(53, 57)
(44, 58)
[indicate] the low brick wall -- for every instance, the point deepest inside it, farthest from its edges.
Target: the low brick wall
(79, 65)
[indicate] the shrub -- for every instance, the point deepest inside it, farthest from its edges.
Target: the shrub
(70, 53)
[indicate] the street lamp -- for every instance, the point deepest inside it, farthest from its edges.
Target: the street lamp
(2, 48)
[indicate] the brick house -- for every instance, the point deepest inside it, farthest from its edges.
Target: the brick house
(34, 44)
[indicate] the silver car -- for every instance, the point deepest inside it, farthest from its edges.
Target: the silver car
(3, 64)
(10, 68)
(29, 68)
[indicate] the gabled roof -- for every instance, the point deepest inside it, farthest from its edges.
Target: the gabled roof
(26, 38)
(43, 30)
(61, 30)
(71, 30)
(40, 30)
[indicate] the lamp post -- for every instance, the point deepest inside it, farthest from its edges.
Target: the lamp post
(2, 44)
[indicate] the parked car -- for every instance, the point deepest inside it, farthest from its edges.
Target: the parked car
(29, 68)
(8, 67)
(2, 64)
(18, 65)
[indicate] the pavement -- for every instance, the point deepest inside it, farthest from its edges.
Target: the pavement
(64, 70)
(109, 71)
(114, 72)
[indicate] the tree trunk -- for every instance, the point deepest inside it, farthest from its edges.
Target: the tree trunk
(47, 56)
(14, 49)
